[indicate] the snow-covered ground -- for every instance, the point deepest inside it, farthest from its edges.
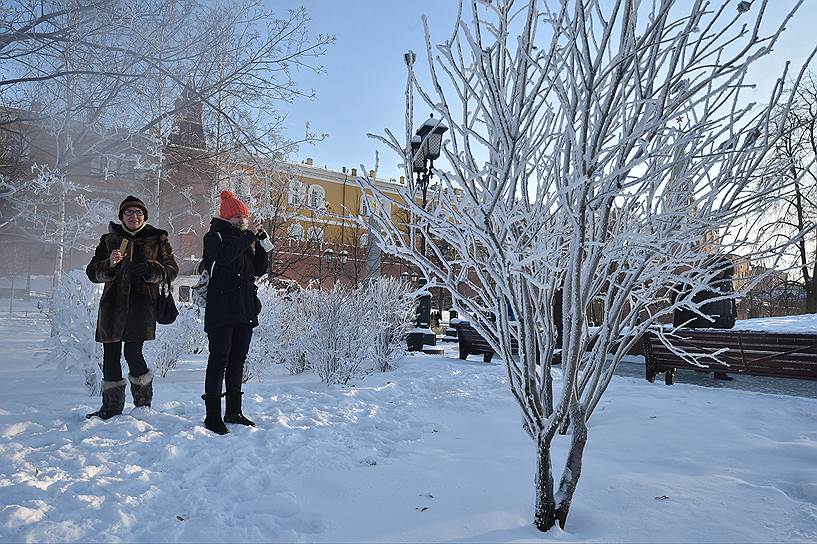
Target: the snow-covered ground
(791, 324)
(433, 451)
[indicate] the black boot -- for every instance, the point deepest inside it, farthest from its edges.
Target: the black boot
(141, 387)
(212, 420)
(232, 413)
(113, 400)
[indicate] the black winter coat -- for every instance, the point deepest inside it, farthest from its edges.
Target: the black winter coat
(127, 310)
(231, 291)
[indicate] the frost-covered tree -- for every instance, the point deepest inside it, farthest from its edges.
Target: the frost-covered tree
(184, 337)
(599, 153)
(796, 210)
(391, 309)
(114, 80)
(73, 312)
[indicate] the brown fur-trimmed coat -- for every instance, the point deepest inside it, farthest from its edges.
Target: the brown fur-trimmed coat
(127, 310)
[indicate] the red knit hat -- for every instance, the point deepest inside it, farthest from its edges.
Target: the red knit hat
(231, 206)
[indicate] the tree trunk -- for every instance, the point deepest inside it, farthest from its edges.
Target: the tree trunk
(811, 296)
(573, 466)
(545, 513)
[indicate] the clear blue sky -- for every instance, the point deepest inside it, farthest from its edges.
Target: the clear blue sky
(363, 87)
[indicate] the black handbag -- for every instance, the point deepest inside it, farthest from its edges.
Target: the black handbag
(166, 311)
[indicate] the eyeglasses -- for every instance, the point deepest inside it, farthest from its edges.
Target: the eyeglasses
(137, 213)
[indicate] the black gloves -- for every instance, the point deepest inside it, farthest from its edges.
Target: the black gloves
(139, 271)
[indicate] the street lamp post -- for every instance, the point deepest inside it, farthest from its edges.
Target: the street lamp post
(426, 146)
(333, 263)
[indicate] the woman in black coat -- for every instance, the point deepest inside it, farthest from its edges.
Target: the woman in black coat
(235, 259)
(132, 259)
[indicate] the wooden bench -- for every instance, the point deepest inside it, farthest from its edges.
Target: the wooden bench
(744, 352)
(472, 343)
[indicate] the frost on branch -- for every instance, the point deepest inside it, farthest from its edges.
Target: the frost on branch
(337, 344)
(339, 333)
(73, 313)
(598, 155)
(392, 307)
(184, 337)
(279, 337)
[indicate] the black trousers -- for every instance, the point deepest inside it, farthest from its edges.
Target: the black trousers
(112, 355)
(228, 352)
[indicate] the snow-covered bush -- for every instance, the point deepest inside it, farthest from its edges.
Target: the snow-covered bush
(391, 310)
(292, 324)
(73, 312)
(337, 341)
(183, 337)
(277, 339)
(339, 333)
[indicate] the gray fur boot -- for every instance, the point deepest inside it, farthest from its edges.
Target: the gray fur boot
(113, 400)
(141, 387)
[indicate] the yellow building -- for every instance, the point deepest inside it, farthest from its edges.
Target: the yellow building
(311, 203)
(311, 213)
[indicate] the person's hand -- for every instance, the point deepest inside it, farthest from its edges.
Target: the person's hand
(254, 226)
(116, 257)
(139, 270)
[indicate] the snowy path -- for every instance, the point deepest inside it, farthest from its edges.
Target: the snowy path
(431, 452)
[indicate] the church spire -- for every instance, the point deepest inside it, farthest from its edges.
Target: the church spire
(188, 129)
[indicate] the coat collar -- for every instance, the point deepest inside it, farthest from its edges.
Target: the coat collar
(147, 231)
(223, 226)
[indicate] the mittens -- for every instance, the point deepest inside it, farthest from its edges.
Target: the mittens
(139, 271)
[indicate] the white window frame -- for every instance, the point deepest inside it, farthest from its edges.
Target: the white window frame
(365, 206)
(315, 234)
(296, 232)
(296, 193)
(316, 197)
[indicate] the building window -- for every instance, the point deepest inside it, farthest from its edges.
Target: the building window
(239, 183)
(364, 240)
(97, 166)
(295, 232)
(317, 197)
(365, 207)
(315, 234)
(296, 193)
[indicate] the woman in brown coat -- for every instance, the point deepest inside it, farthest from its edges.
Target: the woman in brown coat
(132, 259)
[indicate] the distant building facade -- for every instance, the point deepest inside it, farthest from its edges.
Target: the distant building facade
(317, 217)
